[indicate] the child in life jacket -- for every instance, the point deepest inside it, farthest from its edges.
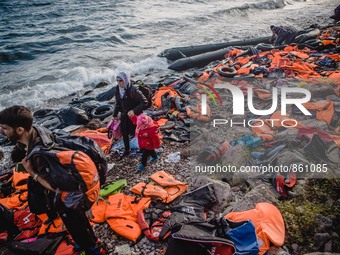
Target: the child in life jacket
(147, 133)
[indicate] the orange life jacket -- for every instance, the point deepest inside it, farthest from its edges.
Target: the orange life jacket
(268, 222)
(150, 190)
(15, 200)
(196, 113)
(324, 110)
(121, 214)
(335, 57)
(66, 247)
(300, 54)
(19, 180)
(233, 53)
(100, 138)
(335, 75)
(262, 94)
(57, 226)
(279, 118)
(162, 121)
(264, 131)
(157, 98)
(204, 76)
(97, 211)
(243, 70)
(173, 187)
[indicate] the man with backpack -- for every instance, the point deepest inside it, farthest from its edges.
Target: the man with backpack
(69, 200)
(130, 101)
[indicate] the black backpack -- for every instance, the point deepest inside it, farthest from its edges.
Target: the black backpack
(77, 143)
(146, 91)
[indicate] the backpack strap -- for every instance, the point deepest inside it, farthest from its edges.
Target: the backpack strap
(36, 150)
(131, 91)
(45, 135)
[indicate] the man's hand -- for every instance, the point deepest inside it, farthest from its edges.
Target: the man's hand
(131, 113)
(27, 164)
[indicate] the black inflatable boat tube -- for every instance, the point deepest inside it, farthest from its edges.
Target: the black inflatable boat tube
(183, 52)
(199, 60)
(202, 60)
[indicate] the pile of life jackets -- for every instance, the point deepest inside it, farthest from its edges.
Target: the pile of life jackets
(291, 61)
(167, 190)
(120, 211)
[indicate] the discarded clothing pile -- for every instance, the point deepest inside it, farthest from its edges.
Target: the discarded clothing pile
(247, 232)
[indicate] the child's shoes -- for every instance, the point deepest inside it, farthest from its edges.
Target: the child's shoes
(154, 159)
(141, 167)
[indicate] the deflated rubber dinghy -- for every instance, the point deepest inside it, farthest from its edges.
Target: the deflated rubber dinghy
(188, 51)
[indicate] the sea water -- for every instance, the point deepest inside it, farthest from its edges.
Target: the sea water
(53, 49)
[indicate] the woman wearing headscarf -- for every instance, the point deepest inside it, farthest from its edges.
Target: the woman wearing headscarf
(130, 101)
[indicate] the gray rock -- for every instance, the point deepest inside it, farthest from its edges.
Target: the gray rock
(335, 236)
(123, 249)
(142, 241)
(320, 239)
(320, 91)
(322, 253)
(236, 156)
(287, 158)
(5, 162)
(328, 246)
(109, 246)
(315, 123)
(287, 135)
(274, 250)
(222, 191)
(324, 223)
(236, 133)
(295, 248)
(261, 193)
